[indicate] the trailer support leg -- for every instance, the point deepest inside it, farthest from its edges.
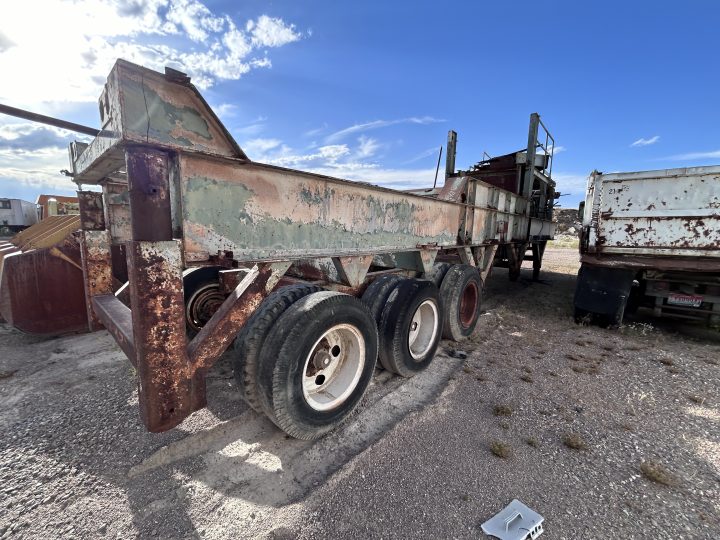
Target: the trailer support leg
(538, 250)
(94, 252)
(166, 390)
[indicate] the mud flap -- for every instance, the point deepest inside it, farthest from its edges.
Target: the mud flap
(603, 292)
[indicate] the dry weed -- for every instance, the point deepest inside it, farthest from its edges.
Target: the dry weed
(574, 441)
(502, 410)
(500, 449)
(656, 471)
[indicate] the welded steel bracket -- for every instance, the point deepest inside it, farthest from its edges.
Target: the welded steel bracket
(352, 270)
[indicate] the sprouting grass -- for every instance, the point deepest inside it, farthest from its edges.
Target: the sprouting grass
(502, 410)
(500, 449)
(532, 441)
(527, 378)
(574, 441)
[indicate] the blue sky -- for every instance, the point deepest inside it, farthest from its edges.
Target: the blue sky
(368, 90)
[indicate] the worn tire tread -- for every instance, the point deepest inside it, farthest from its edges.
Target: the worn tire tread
(253, 335)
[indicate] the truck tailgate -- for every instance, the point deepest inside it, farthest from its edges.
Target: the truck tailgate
(670, 212)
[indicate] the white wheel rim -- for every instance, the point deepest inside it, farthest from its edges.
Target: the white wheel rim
(333, 368)
(423, 329)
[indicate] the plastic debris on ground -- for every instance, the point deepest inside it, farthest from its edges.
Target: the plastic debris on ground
(514, 522)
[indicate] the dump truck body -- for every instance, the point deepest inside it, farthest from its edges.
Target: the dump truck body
(187, 204)
(314, 278)
(651, 239)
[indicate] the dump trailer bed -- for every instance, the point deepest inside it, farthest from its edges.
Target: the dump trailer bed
(287, 264)
(651, 238)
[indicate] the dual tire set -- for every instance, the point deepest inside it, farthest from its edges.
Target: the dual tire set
(306, 355)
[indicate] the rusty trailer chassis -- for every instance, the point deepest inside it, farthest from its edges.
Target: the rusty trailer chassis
(178, 193)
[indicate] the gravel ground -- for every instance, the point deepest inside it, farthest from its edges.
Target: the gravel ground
(414, 462)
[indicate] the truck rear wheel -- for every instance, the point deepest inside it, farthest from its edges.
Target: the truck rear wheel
(461, 295)
(410, 327)
(202, 295)
(318, 360)
(251, 338)
(377, 294)
(439, 271)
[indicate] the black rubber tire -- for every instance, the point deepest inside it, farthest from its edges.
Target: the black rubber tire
(439, 271)
(397, 316)
(377, 294)
(283, 357)
(461, 295)
(251, 338)
(193, 281)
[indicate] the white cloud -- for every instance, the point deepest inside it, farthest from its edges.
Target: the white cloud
(316, 131)
(74, 44)
(260, 147)
(33, 154)
(37, 169)
(713, 154)
(367, 147)
(194, 18)
(339, 161)
(224, 109)
(570, 184)
(375, 124)
(646, 142)
(272, 32)
(434, 151)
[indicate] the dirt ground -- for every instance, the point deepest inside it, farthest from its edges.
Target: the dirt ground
(606, 433)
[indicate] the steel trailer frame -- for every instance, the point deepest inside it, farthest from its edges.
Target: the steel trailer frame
(178, 192)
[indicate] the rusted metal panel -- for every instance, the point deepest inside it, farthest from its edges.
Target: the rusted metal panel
(157, 110)
(149, 192)
(41, 283)
(674, 212)
(41, 291)
(640, 262)
(97, 270)
(167, 392)
(117, 318)
(260, 212)
(142, 106)
(92, 213)
(117, 211)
